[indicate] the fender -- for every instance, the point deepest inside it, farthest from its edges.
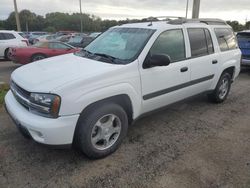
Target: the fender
(233, 62)
(81, 101)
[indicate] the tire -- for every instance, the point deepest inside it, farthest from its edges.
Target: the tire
(6, 54)
(37, 57)
(101, 130)
(221, 92)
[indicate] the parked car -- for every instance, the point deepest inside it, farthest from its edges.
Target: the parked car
(39, 51)
(244, 44)
(10, 39)
(33, 35)
(90, 97)
(80, 41)
(63, 38)
(44, 38)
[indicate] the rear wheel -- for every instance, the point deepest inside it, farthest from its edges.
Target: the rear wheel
(37, 57)
(101, 131)
(222, 89)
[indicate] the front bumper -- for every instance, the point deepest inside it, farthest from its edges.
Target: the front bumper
(44, 130)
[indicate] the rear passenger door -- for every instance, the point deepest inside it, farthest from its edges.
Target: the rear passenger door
(203, 61)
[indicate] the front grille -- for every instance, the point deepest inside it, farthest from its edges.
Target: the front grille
(245, 56)
(21, 95)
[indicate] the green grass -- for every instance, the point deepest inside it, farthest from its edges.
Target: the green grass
(3, 90)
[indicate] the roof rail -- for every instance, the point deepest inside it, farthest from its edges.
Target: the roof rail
(162, 18)
(208, 21)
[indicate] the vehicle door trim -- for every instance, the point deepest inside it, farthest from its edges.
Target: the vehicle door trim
(177, 87)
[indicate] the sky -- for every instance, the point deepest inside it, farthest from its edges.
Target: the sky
(119, 9)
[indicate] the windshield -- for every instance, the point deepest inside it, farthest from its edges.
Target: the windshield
(123, 44)
(76, 39)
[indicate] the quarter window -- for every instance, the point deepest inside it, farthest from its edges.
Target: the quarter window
(200, 42)
(170, 43)
(226, 39)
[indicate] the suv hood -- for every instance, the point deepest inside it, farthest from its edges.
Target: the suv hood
(48, 74)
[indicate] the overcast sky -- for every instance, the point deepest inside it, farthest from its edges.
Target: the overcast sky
(122, 9)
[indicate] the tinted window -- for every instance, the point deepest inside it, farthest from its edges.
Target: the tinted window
(209, 42)
(244, 36)
(170, 43)
(2, 36)
(226, 39)
(198, 42)
(9, 36)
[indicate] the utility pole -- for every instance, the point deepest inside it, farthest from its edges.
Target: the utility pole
(187, 8)
(196, 9)
(17, 17)
(80, 1)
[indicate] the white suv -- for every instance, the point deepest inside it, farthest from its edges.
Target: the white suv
(10, 39)
(89, 98)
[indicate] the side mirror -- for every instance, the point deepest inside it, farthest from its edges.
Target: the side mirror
(157, 60)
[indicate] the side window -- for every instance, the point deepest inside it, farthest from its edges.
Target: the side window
(226, 39)
(198, 42)
(170, 43)
(2, 36)
(9, 36)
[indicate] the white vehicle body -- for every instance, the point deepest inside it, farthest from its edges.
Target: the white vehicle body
(10, 39)
(81, 82)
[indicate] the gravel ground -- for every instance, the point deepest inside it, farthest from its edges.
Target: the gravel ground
(191, 144)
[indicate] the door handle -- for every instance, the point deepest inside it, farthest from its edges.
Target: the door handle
(184, 69)
(215, 61)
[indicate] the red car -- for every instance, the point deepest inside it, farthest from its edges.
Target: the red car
(40, 51)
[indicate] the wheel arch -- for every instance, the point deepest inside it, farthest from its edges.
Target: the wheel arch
(5, 52)
(230, 70)
(123, 100)
(37, 53)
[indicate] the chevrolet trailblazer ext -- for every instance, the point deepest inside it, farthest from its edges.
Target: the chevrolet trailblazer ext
(89, 98)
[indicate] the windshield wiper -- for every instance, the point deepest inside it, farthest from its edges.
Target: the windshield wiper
(111, 58)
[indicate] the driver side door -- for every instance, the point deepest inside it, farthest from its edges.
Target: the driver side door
(163, 85)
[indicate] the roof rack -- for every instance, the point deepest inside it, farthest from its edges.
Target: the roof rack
(208, 21)
(162, 18)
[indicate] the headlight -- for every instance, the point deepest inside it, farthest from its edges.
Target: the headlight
(47, 105)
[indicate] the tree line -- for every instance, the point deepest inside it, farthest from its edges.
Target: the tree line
(58, 21)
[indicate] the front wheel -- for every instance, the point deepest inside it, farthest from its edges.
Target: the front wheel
(222, 89)
(101, 130)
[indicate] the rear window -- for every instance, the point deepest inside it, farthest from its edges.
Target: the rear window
(226, 39)
(243, 36)
(6, 36)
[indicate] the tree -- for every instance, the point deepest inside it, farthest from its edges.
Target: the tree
(235, 25)
(247, 26)
(1, 24)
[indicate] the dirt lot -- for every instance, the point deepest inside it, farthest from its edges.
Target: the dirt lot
(192, 144)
